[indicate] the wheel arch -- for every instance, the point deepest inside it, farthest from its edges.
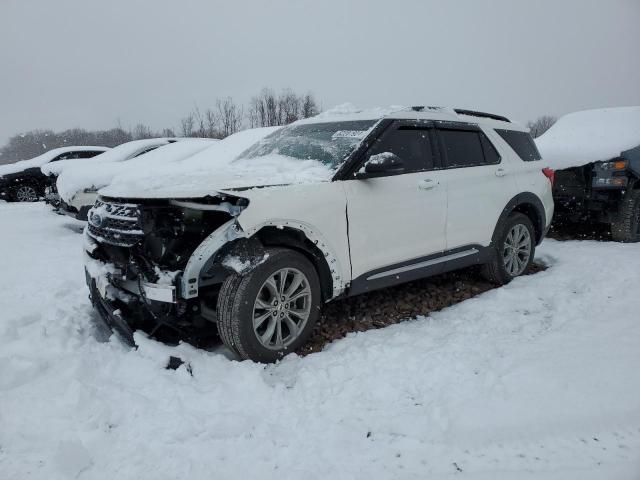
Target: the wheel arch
(204, 266)
(528, 204)
(300, 238)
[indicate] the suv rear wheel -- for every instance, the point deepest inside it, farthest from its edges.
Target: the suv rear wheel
(626, 224)
(271, 310)
(514, 250)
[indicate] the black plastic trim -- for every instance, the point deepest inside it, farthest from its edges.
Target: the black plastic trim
(364, 283)
(474, 113)
(523, 199)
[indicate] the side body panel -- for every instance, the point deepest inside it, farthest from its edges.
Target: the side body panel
(318, 210)
(395, 219)
(476, 197)
(528, 175)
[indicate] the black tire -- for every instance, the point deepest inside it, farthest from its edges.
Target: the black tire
(496, 270)
(626, 224)
(239, 294)
(17, 194)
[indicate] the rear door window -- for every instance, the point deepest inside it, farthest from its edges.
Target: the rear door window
(467, 148)
(521, 143)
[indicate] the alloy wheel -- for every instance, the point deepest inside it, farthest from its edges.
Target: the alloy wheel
(282, 308)
(517, 250)
(26, 193)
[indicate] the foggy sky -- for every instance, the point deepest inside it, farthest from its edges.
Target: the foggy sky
(92, 63)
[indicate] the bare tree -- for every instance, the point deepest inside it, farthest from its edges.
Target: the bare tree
(211, 124)
(541, 125)
(141, 131)
(229, 116)
(187, 125)
(266, 109)
(288, 107)
(309, 106)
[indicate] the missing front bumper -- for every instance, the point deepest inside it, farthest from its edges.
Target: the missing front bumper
(109, 314)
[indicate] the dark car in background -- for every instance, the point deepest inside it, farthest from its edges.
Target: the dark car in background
(23, 181)
(605, 192)
(596, 158)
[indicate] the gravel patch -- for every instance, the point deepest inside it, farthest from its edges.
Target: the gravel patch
(396, 304)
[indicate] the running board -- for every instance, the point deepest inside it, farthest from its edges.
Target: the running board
(426, 263)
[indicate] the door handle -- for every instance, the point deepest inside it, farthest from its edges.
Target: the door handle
(501, 172)
(427, 184)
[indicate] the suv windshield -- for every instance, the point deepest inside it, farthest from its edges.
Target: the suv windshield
(329, 143)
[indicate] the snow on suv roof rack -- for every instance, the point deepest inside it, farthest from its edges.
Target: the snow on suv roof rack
(473, 113)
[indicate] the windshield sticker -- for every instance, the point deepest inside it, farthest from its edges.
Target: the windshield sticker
(349, 134)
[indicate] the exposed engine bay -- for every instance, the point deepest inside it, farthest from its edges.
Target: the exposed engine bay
(138, 251)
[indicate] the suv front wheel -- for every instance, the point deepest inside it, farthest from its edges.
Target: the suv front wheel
(271, 310)
(513, 252)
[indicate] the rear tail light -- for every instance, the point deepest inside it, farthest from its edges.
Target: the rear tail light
(550, 174)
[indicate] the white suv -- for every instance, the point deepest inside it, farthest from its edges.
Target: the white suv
(327, 207)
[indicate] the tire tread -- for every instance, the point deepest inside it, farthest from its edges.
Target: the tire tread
(622, 226)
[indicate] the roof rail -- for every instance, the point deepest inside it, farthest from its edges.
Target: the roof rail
(473, 113)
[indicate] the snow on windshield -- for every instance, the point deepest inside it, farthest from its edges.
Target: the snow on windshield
(45, 158)
(589, 136)
(92, 176)
(328, 143)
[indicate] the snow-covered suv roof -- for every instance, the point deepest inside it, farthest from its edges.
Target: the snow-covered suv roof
(348, 112)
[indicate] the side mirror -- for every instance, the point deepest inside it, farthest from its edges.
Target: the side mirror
(381, 165)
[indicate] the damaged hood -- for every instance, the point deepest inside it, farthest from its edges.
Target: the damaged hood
(272, 170)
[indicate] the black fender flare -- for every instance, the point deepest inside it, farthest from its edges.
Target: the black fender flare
(525, 200)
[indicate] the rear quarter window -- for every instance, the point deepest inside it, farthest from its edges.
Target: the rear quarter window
(521, 143)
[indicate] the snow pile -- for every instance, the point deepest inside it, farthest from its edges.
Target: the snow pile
(45, 158)
(122, 152)
(97, 175)
(195, 175)
(589, 136)
(536, 380)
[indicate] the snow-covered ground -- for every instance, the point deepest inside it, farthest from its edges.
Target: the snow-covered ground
(539, 379)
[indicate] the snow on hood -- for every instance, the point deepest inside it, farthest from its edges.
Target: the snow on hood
(194, 176)
(95, 176)
(122, 152)
(589, 136)
(247, 172)
(45, 158)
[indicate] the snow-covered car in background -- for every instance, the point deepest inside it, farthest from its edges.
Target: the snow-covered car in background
(123, 152)
(77, 185)
(596, 156)
(336, 205)
(23, 181)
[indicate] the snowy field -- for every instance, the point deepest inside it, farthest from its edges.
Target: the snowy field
(539, 379)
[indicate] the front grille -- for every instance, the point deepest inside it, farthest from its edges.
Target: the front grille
(115, 223)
